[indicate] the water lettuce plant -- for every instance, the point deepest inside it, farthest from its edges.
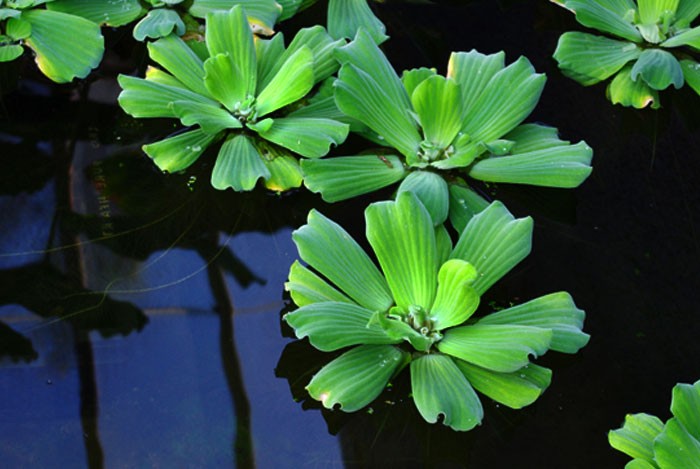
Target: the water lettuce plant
(159, 18)
(417, 311)
(437, 129)
(239, 90)
(65, 46)
(645, 54)
(655, 445)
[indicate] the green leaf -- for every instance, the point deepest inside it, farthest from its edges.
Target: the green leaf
(516, 390)
(11, 52)
(502, 348)
(152, 97)
(173, 54)
(412, 78)
(369, 90)
(177, 153)
(107, 12)
(437, 102)
(636, 437)
(222, 80)
(494, 242)
(399, 330)
(159, 23)
(439, 388)
(507, 99)
(555, 311)
(464, 204)
(66, 46)
(659, 69)
(305, 287)
(212, 119)
(292, 82)
(652, 11)
(685, 406)
(322, 47)
(261, 14)
(357, 377)
(335, 325)
(308, 137)
(623, 90)
(689, 37)
(18, 29)
(473, 71)
(561, 166)
(238, 165)
(456, 300)
(292, 7)
(691, 73)
(675, 447)
(345, 177)
(269, 58)
(402, 236)
(346, 17)
(444, 244)
(285, 172)
(431, 190)
(533, 137)
(329, 249)
(603, 16)
(228, 33)
(687, 11)
(590, 59)
(640, 464)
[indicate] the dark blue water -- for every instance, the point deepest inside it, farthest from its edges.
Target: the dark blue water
(140, 314)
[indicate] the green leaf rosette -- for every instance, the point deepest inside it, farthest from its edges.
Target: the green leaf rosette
(649, 46)
(246, 93)
(416, 310)
(436, 129)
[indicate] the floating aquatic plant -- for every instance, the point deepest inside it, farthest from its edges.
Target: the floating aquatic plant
(417, 311)
(159, 18)
(230, 94)
(440, 128)
(645, 57)
(653, 444)
(66, 46)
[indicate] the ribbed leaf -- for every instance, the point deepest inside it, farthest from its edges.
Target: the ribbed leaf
(444, 244)
(284, 169)
(292, 82)
(402, 236)
(173, 54)
(11, 52)
(222, 80)
(652, 11)
(431, 190)
(555, 311)
(636, 437)
(157, 23)
(690, 37)
(107, 12)
(228, 33)
(412, 78)
(532, 137)
(456, 300)
(66, 46)
(659, 69)
(516, 390)
(262, 14)
(335, 325)
(561, 166)
(305, 287)
(623, 90)
(308, 137)
(357, 377)
(464, 204)
(603, 16)
(473, 71)
(494, 242)
(269, 58)
(687, 11)
(212, 119)
(322, 47)
(589, 59)
(675, 447)
(346, 17)
(238, 165)
(496, 347)
(439, 388)
(685, 406)
(691, 73)
(329, 249)
(177, 153)
(437, 101)
(345, 177)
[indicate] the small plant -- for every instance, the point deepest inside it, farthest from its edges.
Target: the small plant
(66, 46)
(646, 55)
(438, 129)
(159, 18)
(417, 311)
(653, 444)
(229, 91)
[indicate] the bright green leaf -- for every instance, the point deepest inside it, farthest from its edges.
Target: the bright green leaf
(533, 137)
(308, 137)
(685, 406)
(689, 37)
(687, 11)
(285, 172)
(691, 73)
(322, 47)
(222, 80)
(107, 12)
(636, 437)
(261, 14)
(238, 165)
(437, 102)
(173, 54)
(473, 71)
(464, 204)
(346, 17)
(11, 52)
(623, 90)
(675, 447)
(412, 78)
(431, 190)
(177, 153)
(605, 18)
(456, 300)
(212, 119)
(159, 23)
(305, 287)
(659, 69)
(292, 82)
(18, 29)
(652, 11)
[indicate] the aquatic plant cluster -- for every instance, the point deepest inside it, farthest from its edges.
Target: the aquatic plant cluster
(270, 110)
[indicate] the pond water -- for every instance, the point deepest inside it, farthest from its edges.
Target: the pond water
(140, 313)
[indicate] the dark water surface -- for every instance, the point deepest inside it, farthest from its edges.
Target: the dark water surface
(140, 314)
